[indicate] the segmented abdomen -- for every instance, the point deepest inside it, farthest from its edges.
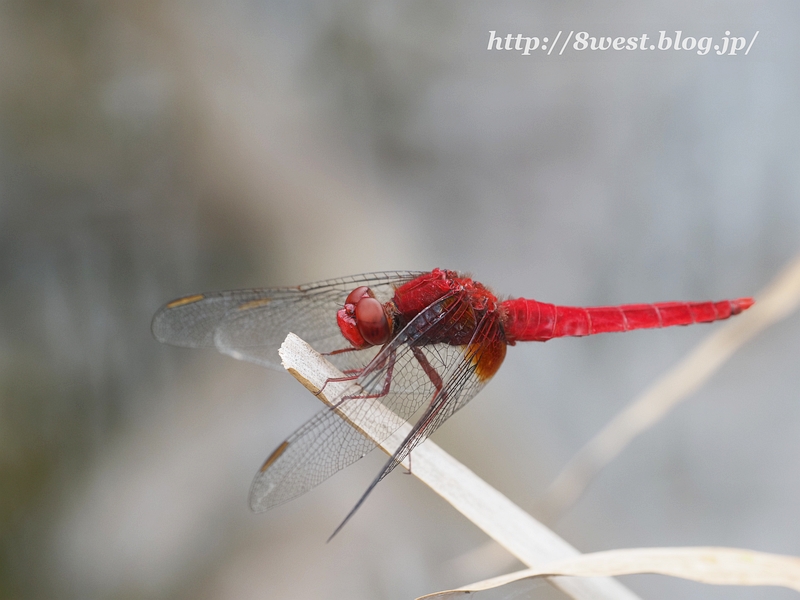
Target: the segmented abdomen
(529, 320)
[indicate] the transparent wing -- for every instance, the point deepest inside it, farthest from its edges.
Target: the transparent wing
(251, 324)
(482, 357)
(464, 370)
(327, 443)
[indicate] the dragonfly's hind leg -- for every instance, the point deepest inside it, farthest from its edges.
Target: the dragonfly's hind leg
(436, 380)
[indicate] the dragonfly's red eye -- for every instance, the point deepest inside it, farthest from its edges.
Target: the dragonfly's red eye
(373, 324)
(348, 319)
(357, 294)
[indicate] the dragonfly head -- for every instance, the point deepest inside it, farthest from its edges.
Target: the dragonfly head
(364, 321)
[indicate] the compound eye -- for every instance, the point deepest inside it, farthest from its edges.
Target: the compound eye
(373, 324)
(357, 294)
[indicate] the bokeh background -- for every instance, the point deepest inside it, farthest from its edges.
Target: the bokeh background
(155, 148)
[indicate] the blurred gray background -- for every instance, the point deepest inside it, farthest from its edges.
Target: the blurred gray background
(150, 149)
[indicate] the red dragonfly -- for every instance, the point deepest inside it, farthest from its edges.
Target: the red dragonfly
(421, 344)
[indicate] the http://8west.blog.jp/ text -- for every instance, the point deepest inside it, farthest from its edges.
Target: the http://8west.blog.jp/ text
(726, 45)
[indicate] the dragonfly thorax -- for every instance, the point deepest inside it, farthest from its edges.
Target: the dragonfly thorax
(364, 321)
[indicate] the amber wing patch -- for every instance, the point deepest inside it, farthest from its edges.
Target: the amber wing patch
(487, 357)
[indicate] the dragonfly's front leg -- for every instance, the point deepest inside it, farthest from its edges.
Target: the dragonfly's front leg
(350, 374)
(390, 358)
(355, 372)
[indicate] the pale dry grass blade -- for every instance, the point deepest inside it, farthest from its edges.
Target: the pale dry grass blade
(776, 302)
(720, 566)
(523, 536)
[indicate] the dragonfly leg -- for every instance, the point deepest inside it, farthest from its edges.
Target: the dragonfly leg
(387, 382)
(353, 374)
(340, 351)
(350, 377)
(350, 374)
(436, 380)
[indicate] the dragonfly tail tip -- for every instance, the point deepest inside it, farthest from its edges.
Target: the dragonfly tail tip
(742, 304)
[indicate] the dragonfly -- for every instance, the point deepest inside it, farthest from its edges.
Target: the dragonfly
(421, 344)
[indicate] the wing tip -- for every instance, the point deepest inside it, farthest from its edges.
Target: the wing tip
(159, 326)
(156, 325)
(260, 492)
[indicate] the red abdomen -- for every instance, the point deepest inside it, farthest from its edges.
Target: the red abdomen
(529, 320)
